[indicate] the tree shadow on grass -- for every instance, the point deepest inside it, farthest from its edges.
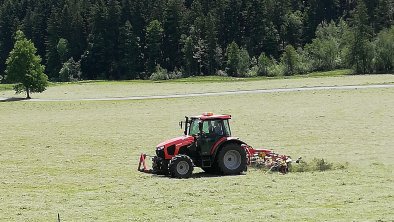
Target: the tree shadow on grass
(12, 99)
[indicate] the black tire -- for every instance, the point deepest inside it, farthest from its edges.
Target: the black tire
(232, 159)
(160, 166)
(181, 166)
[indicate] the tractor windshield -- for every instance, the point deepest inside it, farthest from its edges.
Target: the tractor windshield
(216, 126)
(193, 130)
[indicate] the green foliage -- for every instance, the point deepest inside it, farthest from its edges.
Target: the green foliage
(360, 55)
(326, 50)
(154, 38)
(96, 33)
(24, 67)
(233, 59)
(172, 33)
(200, 54)
(305, 64)
(159, 74)
(244, 62)
(162, 74)
(213, 59)
(276, 69)
(290, 60)
(384, 46)
(263, 63)
(188, 51)
(62, 49)
(293, 28)
(71, 71)
(238, 61)
(129, 52)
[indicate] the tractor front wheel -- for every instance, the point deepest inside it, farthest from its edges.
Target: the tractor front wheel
(160, 166)
(181, 166)
(232, 159)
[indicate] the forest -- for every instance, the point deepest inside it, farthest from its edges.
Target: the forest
(162, 39)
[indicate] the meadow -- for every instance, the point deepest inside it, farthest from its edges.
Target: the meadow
(79, 159)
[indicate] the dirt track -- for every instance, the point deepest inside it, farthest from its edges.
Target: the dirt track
(256, 91)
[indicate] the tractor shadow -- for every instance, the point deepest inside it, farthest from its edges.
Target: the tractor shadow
(208, 175)
(12, 99)
(200, 175)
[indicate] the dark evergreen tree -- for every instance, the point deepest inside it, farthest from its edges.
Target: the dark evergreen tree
(255, 32)
(233, 59)
(94, 63)
(172, 34)
(187, 50)
(383, 15)
(129, 52)
(95, 30)
(154, 39)
(7, 27)
(213, 52)
(111, 36)
(53, 63)
(361, 50)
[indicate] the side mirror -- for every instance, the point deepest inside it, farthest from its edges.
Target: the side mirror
(181, 124)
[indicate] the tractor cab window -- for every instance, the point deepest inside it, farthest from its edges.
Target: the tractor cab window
(211, 127)
(226, 127)
(207, 127)
(217, 128)
(194, 130)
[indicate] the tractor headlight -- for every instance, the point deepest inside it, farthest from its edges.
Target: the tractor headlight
(160, 148)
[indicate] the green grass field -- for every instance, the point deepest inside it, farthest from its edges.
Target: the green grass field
(195, 85)
(79, 159)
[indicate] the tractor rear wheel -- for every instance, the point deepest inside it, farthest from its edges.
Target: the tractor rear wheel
(232, 159)
(181, 166)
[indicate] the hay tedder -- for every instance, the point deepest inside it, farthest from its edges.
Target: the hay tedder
(207, 143)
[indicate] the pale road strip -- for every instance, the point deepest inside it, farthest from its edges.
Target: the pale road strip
(256, 91)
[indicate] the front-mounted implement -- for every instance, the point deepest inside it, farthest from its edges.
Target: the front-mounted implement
(207, 143)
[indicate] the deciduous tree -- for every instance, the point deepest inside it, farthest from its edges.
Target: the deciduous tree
(24, 67)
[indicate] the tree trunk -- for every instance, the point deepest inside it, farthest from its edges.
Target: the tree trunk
(27, 93)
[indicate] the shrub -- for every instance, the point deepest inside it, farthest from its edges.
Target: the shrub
(176, 74)
(325, 52)
(244, 63)
(263, 63)
(276, 69)
(305, 64)
(384, 57)
(71, 71)
(252, 72)
(221, 73)
(159, 74)
(290, 60)
(233, 58)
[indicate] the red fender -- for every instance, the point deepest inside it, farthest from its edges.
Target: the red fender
(222, 141)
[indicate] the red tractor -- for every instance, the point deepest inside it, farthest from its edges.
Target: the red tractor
(206, 143)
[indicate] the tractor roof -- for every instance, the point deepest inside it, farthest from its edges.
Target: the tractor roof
(209, 115)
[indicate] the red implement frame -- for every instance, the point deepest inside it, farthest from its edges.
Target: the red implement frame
(142, 165)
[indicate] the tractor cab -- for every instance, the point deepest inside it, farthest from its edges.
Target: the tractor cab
(209, 129)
